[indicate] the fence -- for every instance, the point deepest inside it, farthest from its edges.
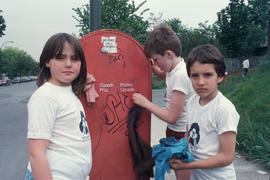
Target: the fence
(234, 64)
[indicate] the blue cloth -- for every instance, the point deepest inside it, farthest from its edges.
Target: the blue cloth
(28, 175)
(163, 152)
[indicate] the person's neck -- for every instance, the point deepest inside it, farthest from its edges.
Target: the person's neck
(205, 101)
(175, 62)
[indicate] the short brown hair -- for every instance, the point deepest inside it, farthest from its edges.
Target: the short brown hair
(161, 39)
(53, 47)
(207, 54)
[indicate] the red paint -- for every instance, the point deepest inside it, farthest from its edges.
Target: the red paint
(120, 72)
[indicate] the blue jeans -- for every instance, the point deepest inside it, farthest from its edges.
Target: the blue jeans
(245, 71)
(28, 175)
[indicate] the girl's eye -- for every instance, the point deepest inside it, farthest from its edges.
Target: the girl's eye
(59, 57)
(75, 58)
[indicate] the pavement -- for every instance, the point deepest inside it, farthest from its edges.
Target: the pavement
(245, 170)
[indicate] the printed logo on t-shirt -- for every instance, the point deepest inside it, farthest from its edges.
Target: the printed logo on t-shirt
(194, 135)
(83, 124)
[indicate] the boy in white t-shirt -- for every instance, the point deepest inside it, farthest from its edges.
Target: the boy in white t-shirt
(163, 48)
(212, 118)
(246, 66)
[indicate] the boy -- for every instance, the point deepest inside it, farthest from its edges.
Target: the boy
(245, 66)
(212, 118)
(164, 48)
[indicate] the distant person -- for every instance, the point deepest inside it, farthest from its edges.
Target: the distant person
(245, 66)
(59, 144)
(212, 119)
(164, 49)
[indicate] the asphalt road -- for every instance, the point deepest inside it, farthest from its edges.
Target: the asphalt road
(13, 143)
(13, 126)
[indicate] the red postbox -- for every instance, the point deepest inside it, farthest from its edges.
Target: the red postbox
(120, 68)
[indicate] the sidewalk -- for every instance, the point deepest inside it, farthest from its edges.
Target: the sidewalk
(245, 170)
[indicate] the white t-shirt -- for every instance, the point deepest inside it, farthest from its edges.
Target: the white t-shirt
(56, 114)
(205, 124)
(178, 80)
(246, 63)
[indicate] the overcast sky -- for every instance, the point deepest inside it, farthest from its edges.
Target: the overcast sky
(31, 22)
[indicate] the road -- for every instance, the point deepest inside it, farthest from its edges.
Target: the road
(13, 143)
(13, 126)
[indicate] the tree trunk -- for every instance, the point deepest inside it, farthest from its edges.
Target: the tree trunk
(268, 43)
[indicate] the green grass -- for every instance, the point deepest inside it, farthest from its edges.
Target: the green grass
(251, 96)
(157, 83)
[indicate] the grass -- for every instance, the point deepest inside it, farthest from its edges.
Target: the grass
(251, 96)
(157, 83)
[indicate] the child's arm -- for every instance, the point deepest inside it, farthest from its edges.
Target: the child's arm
(169, 115)
(38, 160)
(224, 157)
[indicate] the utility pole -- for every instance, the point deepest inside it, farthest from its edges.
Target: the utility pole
(95, 15)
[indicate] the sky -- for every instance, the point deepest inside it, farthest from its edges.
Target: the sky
(31, 22)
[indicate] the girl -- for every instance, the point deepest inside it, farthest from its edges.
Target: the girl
(59, 142)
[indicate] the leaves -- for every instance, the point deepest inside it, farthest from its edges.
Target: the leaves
(242, 28)
(204, 34)
(2, 25)
(17, 63)
(116, 14)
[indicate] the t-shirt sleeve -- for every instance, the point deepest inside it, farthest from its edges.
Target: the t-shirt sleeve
(41, 117)
(180, 83)
(227, 118)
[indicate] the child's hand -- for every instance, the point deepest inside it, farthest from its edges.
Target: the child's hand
(152, 62)
(140, 99)
(89, 89)
(90, 80)
(177, 164)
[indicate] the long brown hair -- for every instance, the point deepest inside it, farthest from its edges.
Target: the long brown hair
(52, 48)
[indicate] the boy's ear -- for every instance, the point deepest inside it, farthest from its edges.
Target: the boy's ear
(220, 79)
(169, 53)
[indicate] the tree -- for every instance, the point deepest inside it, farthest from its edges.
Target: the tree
(116, 14)
(268, 42)
(155, 20)
(258, 12)
(2, 25)
(16, 62)
(204, 34)
(241, 28)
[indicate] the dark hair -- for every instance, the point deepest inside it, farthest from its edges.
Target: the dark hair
(207, 54)
(53, 47)
(161, 39)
